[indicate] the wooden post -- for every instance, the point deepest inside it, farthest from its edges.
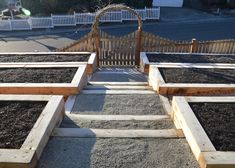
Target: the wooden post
(97, 47)
(193, 46)
(138, 49)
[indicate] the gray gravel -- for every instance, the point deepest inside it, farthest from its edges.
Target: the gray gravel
(118, 104)
(113, 152)
(160, 124)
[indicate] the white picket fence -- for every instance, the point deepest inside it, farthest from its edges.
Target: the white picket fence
(76, 19)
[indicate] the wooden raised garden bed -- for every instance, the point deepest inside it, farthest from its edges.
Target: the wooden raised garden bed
(26, 124)
(62, 58)
(155, 58)
(208, 125)
(29, 78)
(192, 80)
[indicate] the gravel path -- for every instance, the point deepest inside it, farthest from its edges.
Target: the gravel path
(118, 104)
(113, 152)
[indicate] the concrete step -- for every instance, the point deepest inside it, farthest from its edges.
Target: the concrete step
(77, 121)
(119, 75)
(102, 83)
(128, 104)
(117, 92)
(115, 133)
(114, 87)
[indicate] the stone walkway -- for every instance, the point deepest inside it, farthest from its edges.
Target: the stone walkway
(117, 121)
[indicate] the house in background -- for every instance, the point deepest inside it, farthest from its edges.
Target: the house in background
(168, 3)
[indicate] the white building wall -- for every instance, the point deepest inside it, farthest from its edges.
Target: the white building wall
(168, 3)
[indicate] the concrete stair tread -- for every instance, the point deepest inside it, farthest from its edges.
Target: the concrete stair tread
(118, 83)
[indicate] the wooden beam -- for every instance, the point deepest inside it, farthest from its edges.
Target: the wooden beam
(92, 64)
(127, 92)
(17, 158)
(76, 117)
(114, 133)
(39, 134)
(194, 133)
(144, 63)
(29, 153)
(79, 80)
(217, 160)
(44, 53)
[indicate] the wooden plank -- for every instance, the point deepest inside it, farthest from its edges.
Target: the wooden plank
(117, 92)
(40, 133)
(196, 89)
(40, 64)
(157, 82)
(43, 53)
(9, 97)
(211, 99)
(155, 78)
(194, 133)
(92, 64)
(114, 133)
(30, 151)
(79, 80)
(193, 65)
(144, 63)
(186, 53)
(114, 87)
(76, 117)
(217, 160)
(17, 158)
(166, 104)
(69, 104)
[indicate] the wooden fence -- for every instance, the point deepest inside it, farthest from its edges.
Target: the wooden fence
(120, 51)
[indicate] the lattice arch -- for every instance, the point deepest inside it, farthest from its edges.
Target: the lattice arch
(115, 7)
(96, 32)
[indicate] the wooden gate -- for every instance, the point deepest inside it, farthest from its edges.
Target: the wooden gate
(117, 51)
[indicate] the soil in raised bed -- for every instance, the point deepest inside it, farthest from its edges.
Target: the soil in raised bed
(218, 121)
(44, 58)
(37, 75)
(17, 118)
(198, 75)
(179, 58)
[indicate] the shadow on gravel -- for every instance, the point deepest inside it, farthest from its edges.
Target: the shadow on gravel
(89, 103)
(62, 152)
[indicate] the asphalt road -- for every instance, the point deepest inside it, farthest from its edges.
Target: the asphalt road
(185, 30)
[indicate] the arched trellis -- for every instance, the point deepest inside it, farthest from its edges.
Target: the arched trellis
(114, 7)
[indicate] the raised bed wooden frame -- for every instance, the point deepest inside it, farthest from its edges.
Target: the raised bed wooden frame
(200, 144)
(32, 148)
(91, 64)
(145, 64)
(66, 89)
(157, 82)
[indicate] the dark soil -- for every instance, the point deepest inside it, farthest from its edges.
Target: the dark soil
(17, 118)
(198, 75)
(179, 58)
(44, 58)
(37, 75)
(218, 121)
